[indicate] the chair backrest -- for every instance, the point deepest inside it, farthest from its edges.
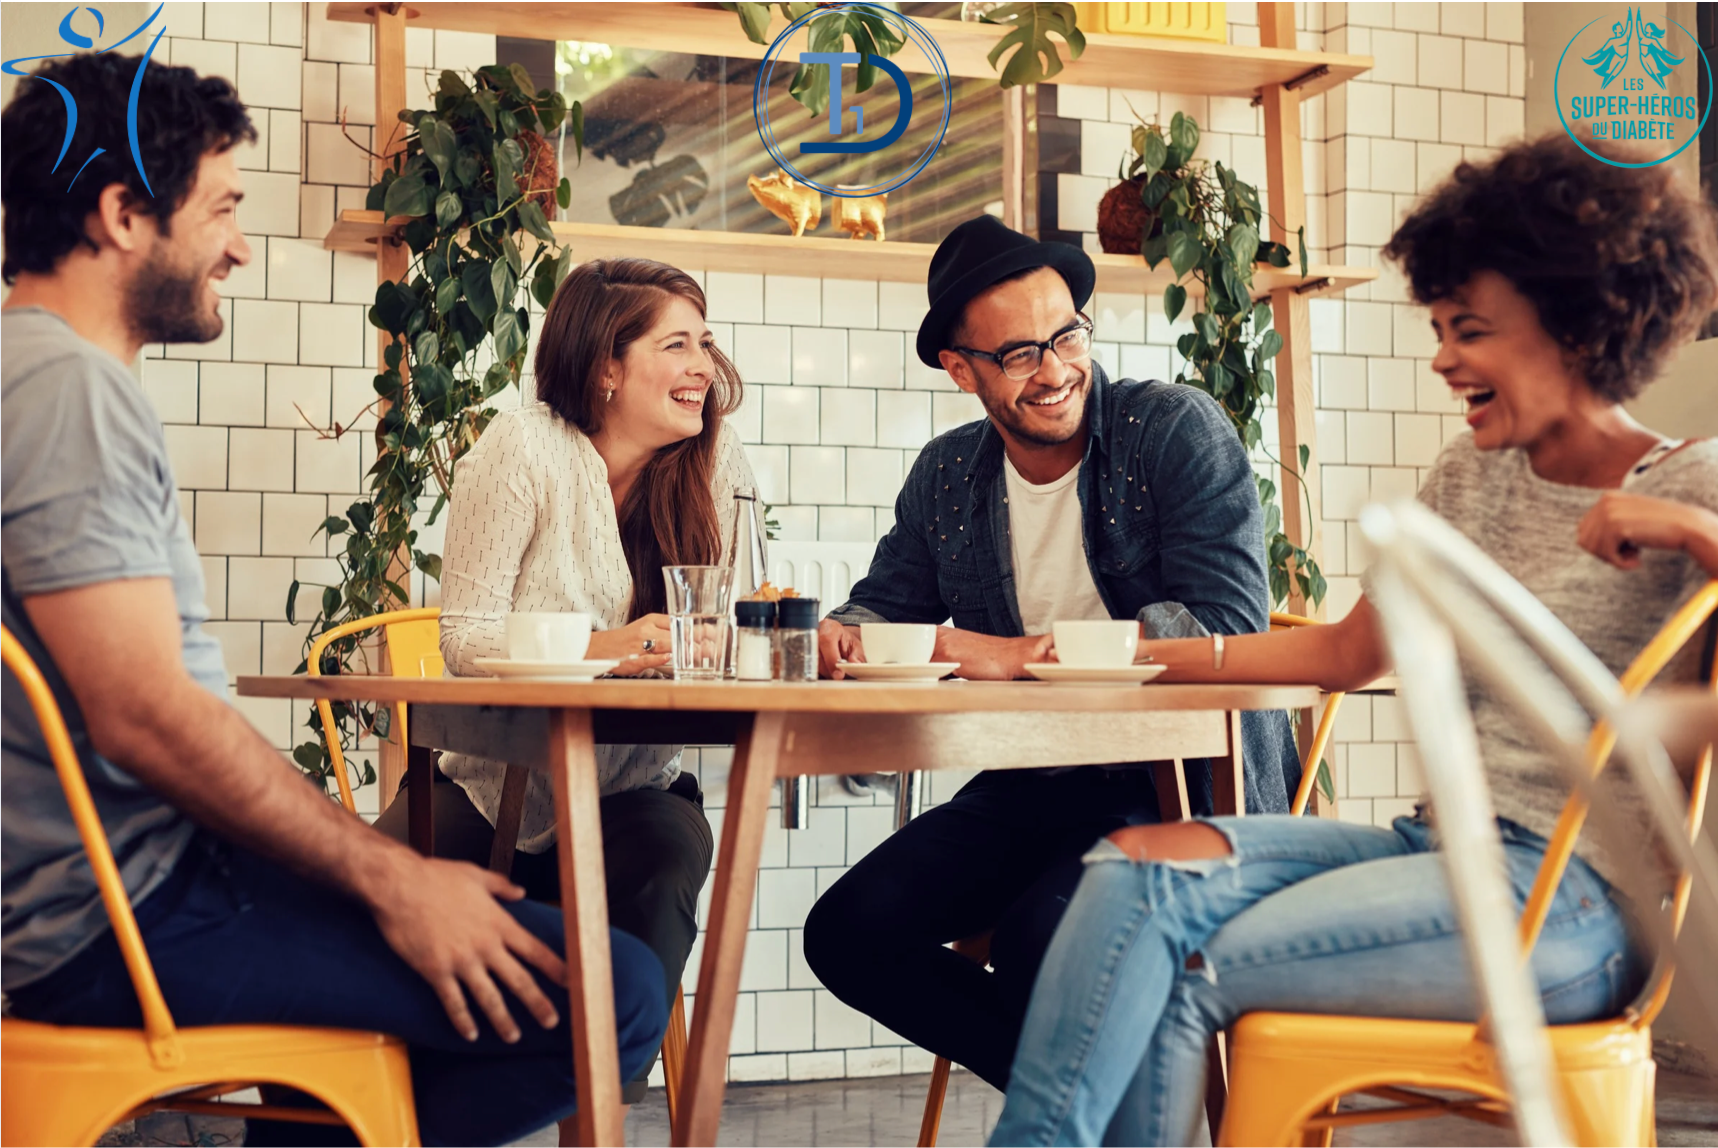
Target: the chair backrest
(1314, 755)
(162, 1036)
(413, 640)
(1682, 627)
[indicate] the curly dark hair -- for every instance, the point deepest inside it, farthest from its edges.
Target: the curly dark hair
(181, 117)
(1621, 263)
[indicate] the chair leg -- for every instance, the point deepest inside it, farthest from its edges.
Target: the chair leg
(934, 1103)
(1216, 1082)
(674, 1055)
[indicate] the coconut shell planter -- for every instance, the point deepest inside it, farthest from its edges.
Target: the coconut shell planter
(1124, 221)
(540, 174)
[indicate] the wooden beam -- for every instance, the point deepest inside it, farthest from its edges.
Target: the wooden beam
(1296, 405)
(392, 260)
(1297, 426)
(1193, 66)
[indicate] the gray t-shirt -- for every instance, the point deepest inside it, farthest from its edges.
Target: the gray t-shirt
(86, 496)
(1528, 525)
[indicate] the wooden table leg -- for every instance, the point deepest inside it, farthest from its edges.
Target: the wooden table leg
(420, 798)
(749, 783)
(1228, 777)
(584, 906)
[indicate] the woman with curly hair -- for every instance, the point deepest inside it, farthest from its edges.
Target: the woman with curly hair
(1557, 286)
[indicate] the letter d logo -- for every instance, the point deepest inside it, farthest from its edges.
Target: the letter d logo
(836, 116)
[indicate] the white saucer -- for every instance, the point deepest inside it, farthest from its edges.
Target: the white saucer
(566, 671)
(888, 672)
(1126, 675)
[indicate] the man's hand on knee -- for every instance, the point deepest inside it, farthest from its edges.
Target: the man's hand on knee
(446, 922)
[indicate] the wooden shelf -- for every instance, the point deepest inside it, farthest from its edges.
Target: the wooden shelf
(818, 257)
(1110, 61)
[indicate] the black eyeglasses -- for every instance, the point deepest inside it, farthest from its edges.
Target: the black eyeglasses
(1022, 361)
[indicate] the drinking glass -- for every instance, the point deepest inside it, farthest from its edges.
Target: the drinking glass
(698, 620)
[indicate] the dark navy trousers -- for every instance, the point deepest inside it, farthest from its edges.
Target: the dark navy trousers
(238, 939)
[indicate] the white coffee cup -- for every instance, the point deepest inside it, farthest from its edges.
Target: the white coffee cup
(541, 637)
(1096, 645)
(898, 643)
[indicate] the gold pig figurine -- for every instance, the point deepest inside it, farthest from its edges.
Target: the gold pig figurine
(797, 205)
(862, 215)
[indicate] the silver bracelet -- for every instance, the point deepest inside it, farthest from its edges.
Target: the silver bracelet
(1216, 651)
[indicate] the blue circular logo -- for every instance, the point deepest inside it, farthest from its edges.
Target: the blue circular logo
(1611, 80)
(912, 34)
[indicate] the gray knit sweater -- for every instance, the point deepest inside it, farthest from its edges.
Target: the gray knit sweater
(1528, 526)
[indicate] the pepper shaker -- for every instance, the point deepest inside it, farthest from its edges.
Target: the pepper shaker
(796, 639)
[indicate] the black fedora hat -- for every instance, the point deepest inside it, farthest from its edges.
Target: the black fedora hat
(977, 254)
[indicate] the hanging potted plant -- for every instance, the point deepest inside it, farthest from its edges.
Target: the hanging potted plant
(476, 182)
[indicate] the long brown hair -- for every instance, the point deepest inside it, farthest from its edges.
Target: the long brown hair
(669, 517)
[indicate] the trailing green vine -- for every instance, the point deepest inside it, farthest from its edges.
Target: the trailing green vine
(476, 183)
(1205, 221)
(1210, 232)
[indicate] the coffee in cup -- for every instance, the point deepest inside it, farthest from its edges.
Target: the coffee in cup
(1096, 645)
(898, 643)
(548, 637)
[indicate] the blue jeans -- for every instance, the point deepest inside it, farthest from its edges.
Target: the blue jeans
(237, 939)
(1306, 915)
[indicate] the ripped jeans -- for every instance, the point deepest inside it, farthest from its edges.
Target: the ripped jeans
(1306, 915)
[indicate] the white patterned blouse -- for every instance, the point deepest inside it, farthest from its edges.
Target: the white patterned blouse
(532, 526)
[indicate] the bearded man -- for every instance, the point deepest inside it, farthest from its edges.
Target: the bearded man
(1075, 498)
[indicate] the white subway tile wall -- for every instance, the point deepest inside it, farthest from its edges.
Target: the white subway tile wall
(837, 404)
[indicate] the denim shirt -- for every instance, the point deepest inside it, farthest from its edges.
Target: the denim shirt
(1173, 535)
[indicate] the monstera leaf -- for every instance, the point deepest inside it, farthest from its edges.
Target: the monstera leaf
(754, 19)
(872, 35)
(657, 194)
(1035, 57)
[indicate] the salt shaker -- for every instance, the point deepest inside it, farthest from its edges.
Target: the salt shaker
(796, 639)
(754, 660)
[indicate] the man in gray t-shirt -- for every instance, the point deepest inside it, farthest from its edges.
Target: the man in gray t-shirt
(98, 505)
(243, 878)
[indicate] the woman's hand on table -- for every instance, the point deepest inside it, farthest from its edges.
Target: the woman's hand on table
(983, 657)
(837, 643)
(642, 644)
(1620, 526)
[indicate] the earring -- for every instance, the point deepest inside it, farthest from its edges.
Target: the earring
(608, 395)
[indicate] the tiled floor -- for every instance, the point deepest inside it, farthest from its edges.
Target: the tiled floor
(886, 1111)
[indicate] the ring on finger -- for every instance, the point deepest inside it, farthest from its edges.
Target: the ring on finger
(649, 645)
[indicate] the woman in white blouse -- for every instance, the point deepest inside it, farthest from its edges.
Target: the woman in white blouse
(625, 465)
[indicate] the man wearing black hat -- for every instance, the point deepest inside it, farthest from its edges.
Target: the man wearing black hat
(1077, 497)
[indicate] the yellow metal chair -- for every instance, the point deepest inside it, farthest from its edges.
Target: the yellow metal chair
(413, 640)
(977, 949)
(1288, 1071)
(67, 1085)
